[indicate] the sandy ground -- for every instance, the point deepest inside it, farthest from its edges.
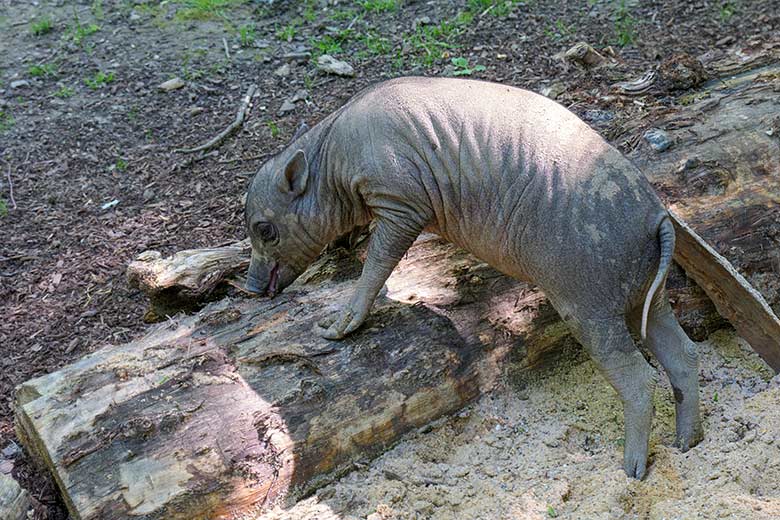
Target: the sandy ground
(548, 444)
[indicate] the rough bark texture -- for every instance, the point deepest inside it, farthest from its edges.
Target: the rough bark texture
(186, 279)
(15, 502)
(722, 177)
(219, 415)
(733, 296)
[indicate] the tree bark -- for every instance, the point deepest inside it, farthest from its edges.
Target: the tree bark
(187, 279)
(221, 414)
(15, 502)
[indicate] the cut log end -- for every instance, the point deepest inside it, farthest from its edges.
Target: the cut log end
(188, 279)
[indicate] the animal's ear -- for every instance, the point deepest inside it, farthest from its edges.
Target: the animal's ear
(302, 129)
(295, 176)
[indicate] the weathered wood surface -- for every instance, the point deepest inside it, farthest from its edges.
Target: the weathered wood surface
(187, 278)
(722, 177)
(732, 295)
(15, 502)
(219, 415)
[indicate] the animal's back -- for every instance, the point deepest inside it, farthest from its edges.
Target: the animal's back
(516, 179)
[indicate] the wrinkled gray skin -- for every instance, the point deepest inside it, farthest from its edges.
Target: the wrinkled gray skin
(515, 179)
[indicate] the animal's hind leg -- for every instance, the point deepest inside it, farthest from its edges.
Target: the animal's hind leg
(677, 353)
(613, 350)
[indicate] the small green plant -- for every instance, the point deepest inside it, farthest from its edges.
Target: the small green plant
(464, 18)
(332, 44)
(310, 11)
(376, 44)
(204, 9)
(624, 25)
(99, 79)
(378, 6)
(326, 45)
(219, 68)
(287, 33)
(480, 5)
(6, 121)
(399, 62)
(494, 7)
(64, 92)
(246, 34)
(551, 512)
(189, 72)
(342, 15)
(726, 11)
(79, 32)
(559, 30)
(274, 128)
(462, 67)
(120, 165)
(43, 70)
(41, 27)
(715, 397)
(3, 208)
(97, 9)
(433, 41)
(564, 29)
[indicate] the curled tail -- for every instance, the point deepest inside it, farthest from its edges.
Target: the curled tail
(666, 240)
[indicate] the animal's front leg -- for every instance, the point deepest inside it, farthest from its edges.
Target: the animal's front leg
(390, 240)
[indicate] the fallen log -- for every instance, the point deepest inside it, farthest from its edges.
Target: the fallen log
(734, 297)
(187, 279)
(226, 412)
(221, 414)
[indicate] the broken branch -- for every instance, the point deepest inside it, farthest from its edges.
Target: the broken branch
(230, 130)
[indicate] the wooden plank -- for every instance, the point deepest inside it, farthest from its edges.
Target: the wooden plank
(736, 300)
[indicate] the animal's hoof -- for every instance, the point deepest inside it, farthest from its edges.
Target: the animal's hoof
(687, 440)
(340, 325)
(634, 466)
(329, 332)
(327, 328)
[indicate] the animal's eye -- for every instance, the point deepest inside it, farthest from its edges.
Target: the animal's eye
(266, 232)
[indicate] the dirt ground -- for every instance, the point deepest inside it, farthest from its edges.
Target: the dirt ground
(89, 178)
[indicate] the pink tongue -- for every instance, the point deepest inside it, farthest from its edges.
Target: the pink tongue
(274, 280)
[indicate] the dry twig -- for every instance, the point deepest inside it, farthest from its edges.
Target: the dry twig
(10, 186)
(231, 129)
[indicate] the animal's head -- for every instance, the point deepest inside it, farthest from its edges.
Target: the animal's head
(282, 223)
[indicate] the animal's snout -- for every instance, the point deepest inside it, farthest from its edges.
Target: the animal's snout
(253, 285)
(262, 278)
(258, 277)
